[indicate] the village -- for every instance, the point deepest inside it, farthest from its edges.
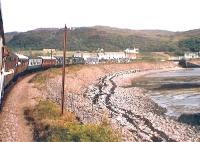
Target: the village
(100, 56)
(126, 56)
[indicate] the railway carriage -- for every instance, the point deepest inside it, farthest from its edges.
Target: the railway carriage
(7, 70)
(35, 63)
(78, 60)
(16, 64)
(22, 64)
(10, 64)
(59, 61)
(69, 60)
(48, 62)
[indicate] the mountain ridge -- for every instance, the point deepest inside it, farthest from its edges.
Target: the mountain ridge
(109, 38)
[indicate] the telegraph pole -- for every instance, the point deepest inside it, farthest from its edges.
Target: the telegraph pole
(63, 71)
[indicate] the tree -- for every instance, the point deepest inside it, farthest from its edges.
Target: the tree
(193, 44)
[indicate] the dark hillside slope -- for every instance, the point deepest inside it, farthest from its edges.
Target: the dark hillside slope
(111, 39)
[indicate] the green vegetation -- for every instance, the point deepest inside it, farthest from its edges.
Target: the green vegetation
(41, 78)
(111, 39)
(50, 126)
(152, 56)
(190, 44)
(35, 53)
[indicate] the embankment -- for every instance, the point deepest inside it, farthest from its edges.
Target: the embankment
(97, 92)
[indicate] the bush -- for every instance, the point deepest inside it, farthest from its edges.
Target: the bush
(50, 126)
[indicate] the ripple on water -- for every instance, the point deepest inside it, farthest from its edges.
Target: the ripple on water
(178, 104)
(177, 101)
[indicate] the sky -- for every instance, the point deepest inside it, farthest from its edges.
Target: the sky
(172, 15)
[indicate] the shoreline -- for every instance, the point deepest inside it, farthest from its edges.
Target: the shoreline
(130, 108)
(127, 110)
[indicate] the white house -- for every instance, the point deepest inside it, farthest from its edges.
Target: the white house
(93, 57)
(89, 58)
(111, 55)
(100, 50)
(78, 54)
(191, 55)
(134, 50)
(85, 55)
(131, 55)
(45, 50)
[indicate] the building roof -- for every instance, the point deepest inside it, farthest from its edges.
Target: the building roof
(134, 50)
(58, 57)
(30, 57)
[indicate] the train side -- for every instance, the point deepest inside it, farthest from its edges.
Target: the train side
(69, 60)
(7, 72)
(21, 65)
(35, 63)
(48, 61)
(17, 64)
(10, 64)
(59, 61)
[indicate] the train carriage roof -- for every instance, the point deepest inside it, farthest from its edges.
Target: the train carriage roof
(58, 57)
(47, 57)
(30, 58)
(20, 56)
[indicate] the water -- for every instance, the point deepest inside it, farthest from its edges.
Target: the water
(177, 91)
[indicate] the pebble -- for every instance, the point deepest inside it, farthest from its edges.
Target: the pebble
(127, 109)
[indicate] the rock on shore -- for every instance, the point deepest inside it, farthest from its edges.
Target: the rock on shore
(128, 110)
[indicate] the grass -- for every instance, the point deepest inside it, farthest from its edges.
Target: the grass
(36, 53)
(41, 78)
(74, 68)
(50, 126)
(153, 56)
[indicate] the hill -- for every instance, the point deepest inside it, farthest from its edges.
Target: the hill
(109, 38)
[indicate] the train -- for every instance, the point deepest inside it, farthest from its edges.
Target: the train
(17, 65)
(13, 65)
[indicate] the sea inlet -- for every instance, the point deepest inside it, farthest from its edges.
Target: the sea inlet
(178, 91)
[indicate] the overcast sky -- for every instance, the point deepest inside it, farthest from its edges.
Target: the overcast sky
(174, 15)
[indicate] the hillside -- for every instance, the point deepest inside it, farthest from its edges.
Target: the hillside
(111, 39)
